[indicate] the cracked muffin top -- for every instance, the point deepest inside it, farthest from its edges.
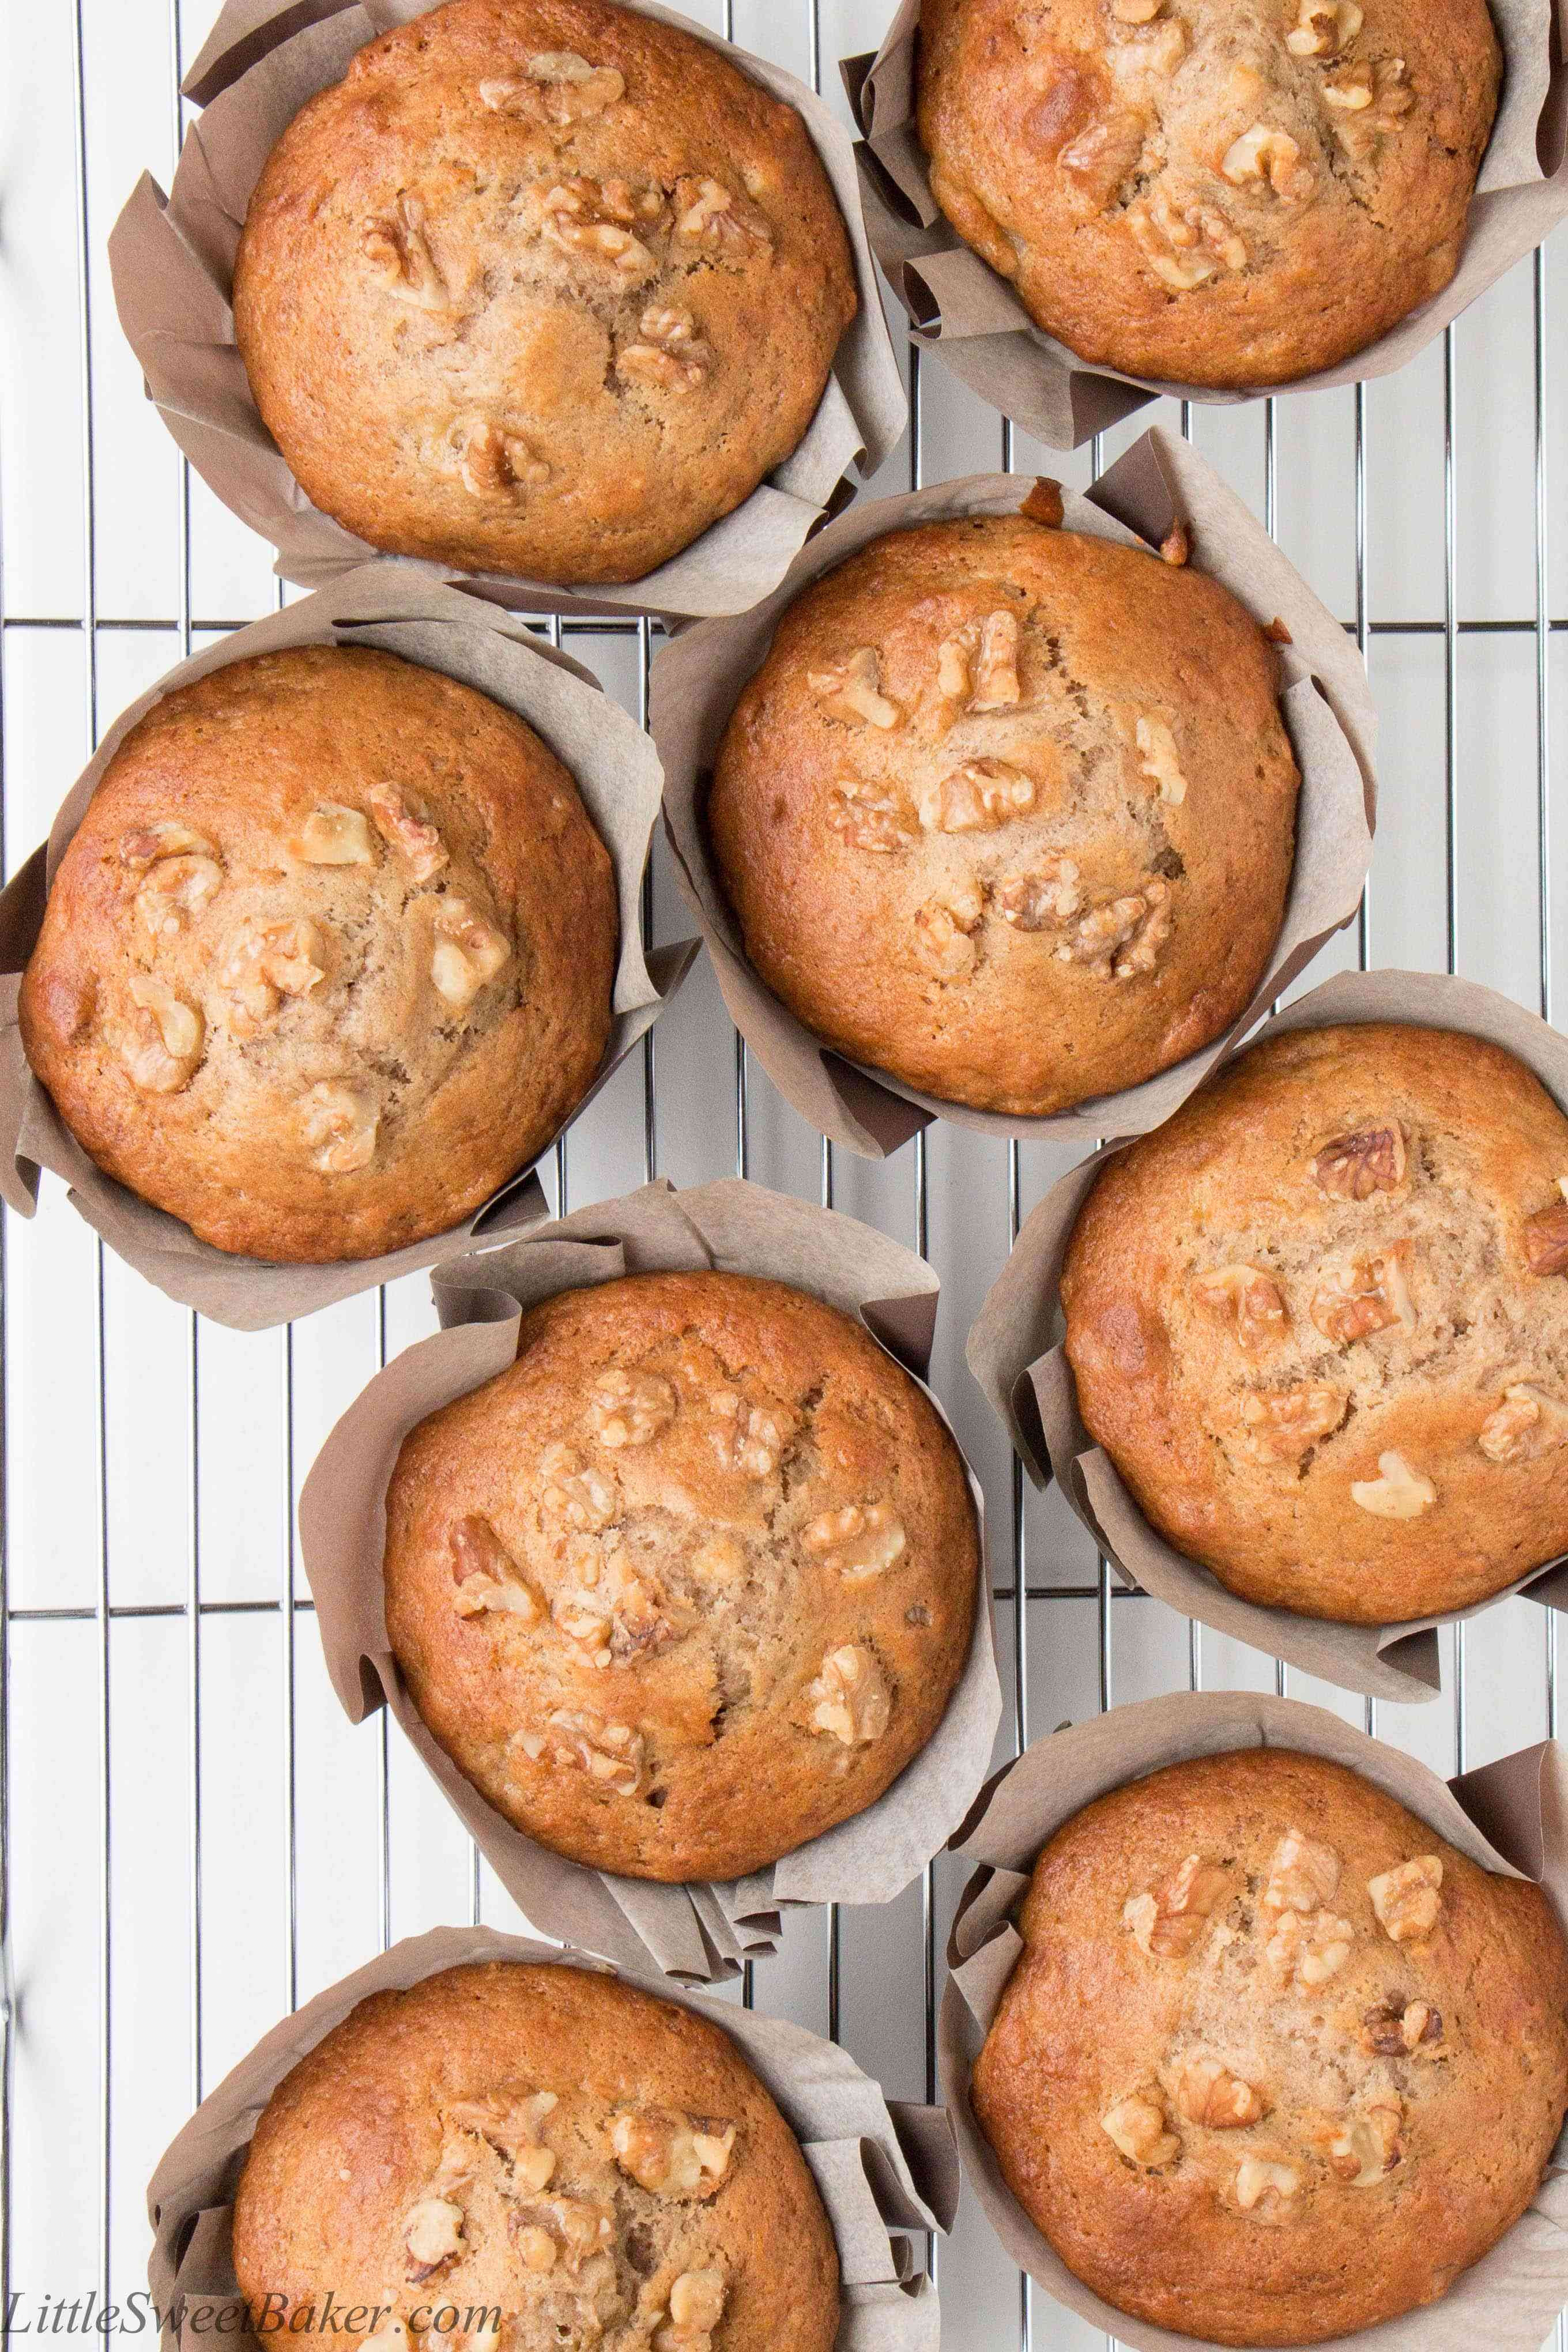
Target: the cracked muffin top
(1008, 812)
(328, 959)
(689, 1582)
(582, 2162)
(1229, 193)
(1319, 1322)
(1277, 2063)
(542, 287)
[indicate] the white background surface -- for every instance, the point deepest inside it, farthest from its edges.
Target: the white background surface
(195, 1837)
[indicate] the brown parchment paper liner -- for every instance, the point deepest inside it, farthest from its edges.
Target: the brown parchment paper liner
(1328, 707)
(1509, 1817)
(965, 311)
(882, 2167)
(1016, 1353)
(171, 260)
(393, 607)
(699, 1930)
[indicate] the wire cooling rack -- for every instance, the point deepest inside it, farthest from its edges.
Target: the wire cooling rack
(194, 1838)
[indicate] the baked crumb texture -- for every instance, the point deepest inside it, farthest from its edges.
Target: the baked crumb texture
(596, 2167)
(691, 1582)
(1319, 1321)
(540, 288)
(1225, 193)
(1277, 2063)
(1008, 812)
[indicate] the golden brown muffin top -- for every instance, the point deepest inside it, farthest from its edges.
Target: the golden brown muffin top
(1317, 1320)
(1008, 811)
(542, 287)
(329, 957)
(597, 2166)
(1211, 192)
(1277, 2063)
(688, 1583)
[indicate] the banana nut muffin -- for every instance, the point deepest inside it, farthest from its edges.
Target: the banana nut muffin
(1211, 192)
(328, 959)
(595, 2166)
(1008, 811)
(1319, 1322)
(1277, 2063)
(542, 287)
(689, 1582)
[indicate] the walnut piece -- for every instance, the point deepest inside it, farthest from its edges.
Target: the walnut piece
(1249, 1305)
(1398, 1492)
(1546, 1238)
(333, 836)
(870, 816)
(707, 213)
(1208, 2094)
(1302, 1873)
(1323, 28)
(1528, 1424)
(1123, 937)
(1157, 757)
(486, 1577)
(1041, 901)
(597, 219)
(1398, 2029)
(512, 2125)
(1267, 154)
(944, 927)
(979, 667)
(1183, 244)
(668, 351)
(144, 844)
(666, 2154)
(977, 798)
(263, 964)
(1405, 1899)
(399, 253)
(750, 1437)
(1106, 154)
(1311, 1946)
(1168, 1920)
(177, 889)
(1354, 1167)
(1260, 2177)
(578, 2227)
(1366, 2147)
(613, 1754)
(560, 87)
(416, 840)
(615, 1611)
(850, 1697)
(861, 1541)
(161, 1043)
(696, 2307)
(535, 2247)
(1137, 2125)
(1367, 104)
(467, 954)
(853, 690)
(493, 462)
(1367, 1296)
(575, 1492)
(433, 2233)
(630, 1408)
(1283, 1424)
(338, 1125)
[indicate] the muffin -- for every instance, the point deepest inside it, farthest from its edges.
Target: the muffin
(541, 287)
(1277, 2063)
(328, 959)
(689, 1582)
(1317, 1322)
(1008, 812)
(1230, 193)
(599, 2166)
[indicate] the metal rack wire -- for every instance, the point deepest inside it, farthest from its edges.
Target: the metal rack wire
(192, 1841)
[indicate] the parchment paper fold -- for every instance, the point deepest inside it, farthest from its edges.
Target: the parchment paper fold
(171, 260)
(1508, 1817)
(400, 611)
(1328, 709)
(1015, 1352)
(699, 1931)
(965, 311)
(883, 2168)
